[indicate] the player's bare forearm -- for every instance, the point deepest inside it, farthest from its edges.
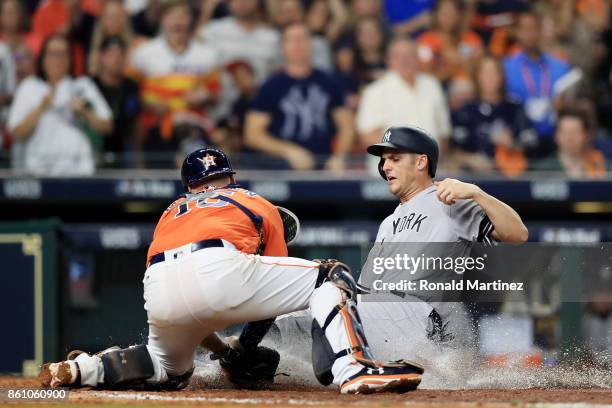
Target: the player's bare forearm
(508, 224)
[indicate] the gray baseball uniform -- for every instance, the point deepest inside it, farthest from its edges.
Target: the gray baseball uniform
(402, 325)
(424, 228)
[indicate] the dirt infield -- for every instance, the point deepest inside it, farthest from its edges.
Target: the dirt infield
(288, 395)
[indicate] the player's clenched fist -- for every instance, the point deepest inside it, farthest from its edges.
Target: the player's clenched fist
(450, 190)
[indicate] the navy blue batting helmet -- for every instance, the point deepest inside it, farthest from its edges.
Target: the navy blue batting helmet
(411, 139)
(204, 164)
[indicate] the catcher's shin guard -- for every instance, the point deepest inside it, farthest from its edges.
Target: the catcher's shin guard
(336, 328)
(124, 367)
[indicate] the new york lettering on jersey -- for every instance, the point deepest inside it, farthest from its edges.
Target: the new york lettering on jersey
(195, 217)
(415, 221)
(425, 219)
(411, 222)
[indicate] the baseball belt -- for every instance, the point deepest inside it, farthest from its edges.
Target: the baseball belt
(195, 246)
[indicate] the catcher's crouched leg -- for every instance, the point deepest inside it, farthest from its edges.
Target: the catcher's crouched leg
(340, 350)
(113, 368)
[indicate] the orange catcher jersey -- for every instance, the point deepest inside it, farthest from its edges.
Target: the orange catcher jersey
(196, 217)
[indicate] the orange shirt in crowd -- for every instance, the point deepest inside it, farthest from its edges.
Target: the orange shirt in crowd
(50, 17)
(594, 163)
(191, 219)
(591, 6)
(169, 90)
(431, 48)
(511, 162)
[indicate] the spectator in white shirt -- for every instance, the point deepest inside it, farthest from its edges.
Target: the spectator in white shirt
(174, 50)
(52, 114)
(403, 95)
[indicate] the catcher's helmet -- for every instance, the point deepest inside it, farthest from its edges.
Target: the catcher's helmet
(204, 164)
(408, 138)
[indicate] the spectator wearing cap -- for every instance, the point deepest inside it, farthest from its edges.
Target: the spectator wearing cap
(113, 21)
(121, 93)
(54, 114)
(244, 36)
(403, 95)
(180, 79)
(299, 113)
(575, 154)
(531, 76)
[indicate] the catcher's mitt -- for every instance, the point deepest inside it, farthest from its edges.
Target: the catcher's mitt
(252, 369)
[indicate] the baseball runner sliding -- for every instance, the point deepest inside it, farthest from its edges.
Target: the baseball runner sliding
(436, 219)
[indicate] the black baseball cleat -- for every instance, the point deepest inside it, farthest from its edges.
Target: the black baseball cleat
(383, 379)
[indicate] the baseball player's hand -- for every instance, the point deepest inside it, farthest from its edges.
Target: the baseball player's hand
(251, 369)
(450, 190)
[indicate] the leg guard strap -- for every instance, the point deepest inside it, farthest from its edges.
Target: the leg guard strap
(331, 316)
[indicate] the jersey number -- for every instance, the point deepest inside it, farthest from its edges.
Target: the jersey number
(183, 208)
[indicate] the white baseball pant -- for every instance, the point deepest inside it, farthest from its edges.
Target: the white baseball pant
(192, 294)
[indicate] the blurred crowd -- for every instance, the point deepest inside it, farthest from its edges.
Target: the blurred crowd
(503, 85)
